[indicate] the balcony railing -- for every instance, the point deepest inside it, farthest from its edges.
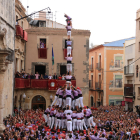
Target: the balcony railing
(117, 64)
(90, 84)
(115, 84)
(98, 85)
(129, 70)
(91, 67)
(21, 33)
(52, 84)
(98, 66)
(128, 89)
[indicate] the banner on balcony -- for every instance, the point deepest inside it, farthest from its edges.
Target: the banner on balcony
(123, 103)
(128, 99)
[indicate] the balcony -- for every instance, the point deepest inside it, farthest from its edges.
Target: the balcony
(47, 84)
(90, 84)
(98, 85)
(115, 85)
(128, 90)
(116, 65)
(91, 68)
(65, 53)
(98, 66)
(42, 53)
(129, 70)
(19, 31)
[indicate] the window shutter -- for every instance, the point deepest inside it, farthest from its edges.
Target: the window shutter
(63, 43)
(118, 57)
(72, 43)
(118, 76)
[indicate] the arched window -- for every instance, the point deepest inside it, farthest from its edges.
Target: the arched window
(91, 101)
(137, 70)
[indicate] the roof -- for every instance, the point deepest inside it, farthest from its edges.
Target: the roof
(118, 43)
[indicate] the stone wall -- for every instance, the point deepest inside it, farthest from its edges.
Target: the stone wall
(7, 37)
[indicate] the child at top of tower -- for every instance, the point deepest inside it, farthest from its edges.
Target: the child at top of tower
(68, 20)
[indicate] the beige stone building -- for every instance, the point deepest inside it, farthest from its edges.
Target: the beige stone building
(7, 30)
(35, 62)
(20, 41)
(137, 63)
(129, 74)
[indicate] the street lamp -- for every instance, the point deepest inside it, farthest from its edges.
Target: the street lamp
(24, 96)
(51, 98)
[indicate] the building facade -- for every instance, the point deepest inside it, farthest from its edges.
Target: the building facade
(7, 38)
(20, 39)
(40, 60)
(137, 63)
(107, 74)
(129, 77)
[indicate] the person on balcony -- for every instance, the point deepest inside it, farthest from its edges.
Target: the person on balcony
(50, 76)
(69, 65)
(69, 42)
(31, 76)
(60, 77)
(41, 77)
(41, 44)
(45, 76)
(55, 76)
(63, 77)
(73, 77)
(37, 75)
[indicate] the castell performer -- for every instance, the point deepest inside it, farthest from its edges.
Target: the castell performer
(56, 97)
(69, 65)
(69, 44)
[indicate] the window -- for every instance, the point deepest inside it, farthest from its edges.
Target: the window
(118, 60)
(137, 69)
(92, 63)
(22, 24)
(129, 81)
(42, 43)
(118, 81)
(91, 101)
(40, 69)
(16, 20)
(99, 61)
(65, 43)
(63, 69)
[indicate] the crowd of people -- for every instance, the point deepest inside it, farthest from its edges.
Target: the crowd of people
(24, 75)
(110, 123)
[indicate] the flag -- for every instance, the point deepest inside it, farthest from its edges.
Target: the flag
(52, 57)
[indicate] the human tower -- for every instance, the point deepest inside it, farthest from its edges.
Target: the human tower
(68, 113)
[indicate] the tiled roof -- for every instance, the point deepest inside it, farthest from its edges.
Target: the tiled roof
(118, 43)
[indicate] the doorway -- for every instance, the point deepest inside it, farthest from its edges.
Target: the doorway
(40, 69)
(63, 69)
(39, 102)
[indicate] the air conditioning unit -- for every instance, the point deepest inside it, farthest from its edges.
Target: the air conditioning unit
(42, 23)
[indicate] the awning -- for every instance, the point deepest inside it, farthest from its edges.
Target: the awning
(128, 99)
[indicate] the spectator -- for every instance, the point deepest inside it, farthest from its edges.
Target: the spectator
(50, 76)
(55, 76)
(37, 75)
(60, 77)
(63, 77)
(41, 77)
(32, 76)
(45, 76)
(73, 77)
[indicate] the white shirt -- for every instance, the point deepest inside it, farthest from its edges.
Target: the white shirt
(50, 77)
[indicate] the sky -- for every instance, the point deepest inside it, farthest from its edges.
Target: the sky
(107, 20)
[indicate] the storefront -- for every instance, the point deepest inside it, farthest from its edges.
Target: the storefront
(128, 103)
(115, 99)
